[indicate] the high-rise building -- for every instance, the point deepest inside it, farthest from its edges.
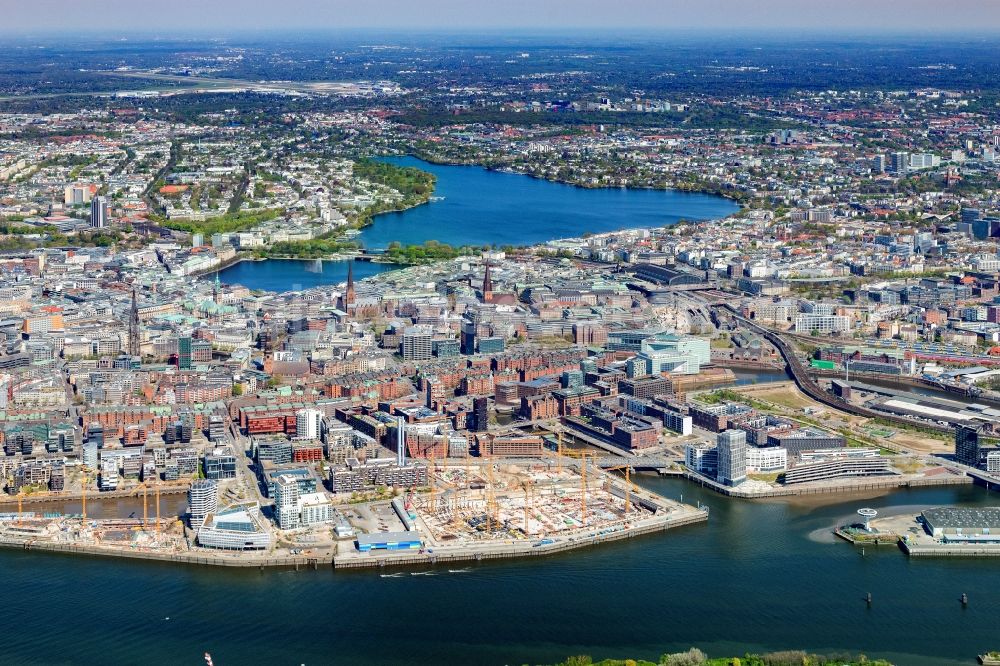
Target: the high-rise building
(417, 343)
(899, 162)
(308, 423)
(967, 447)
(468, 341)
(732, 446)
(480, 414)
(184, 353)
(287, 500)
(99, 212)
(203, 499)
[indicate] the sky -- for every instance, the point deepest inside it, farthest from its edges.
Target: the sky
(35, 16)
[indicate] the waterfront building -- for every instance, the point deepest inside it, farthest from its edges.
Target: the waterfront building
(676, 354)
(766, 459)
(203, 499)
(967, 447)
(287, 501)
(963, 525)
(732, 445)
(702, 458)
(835, 468)
(315, 509)
(239, 527)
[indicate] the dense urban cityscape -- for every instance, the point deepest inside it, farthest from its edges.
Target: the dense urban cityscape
(422, 308)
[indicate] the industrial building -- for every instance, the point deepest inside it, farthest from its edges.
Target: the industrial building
(389, 541)
(979, 525)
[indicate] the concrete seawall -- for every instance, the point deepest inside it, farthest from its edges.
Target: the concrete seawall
(524, 549)
(856, 486)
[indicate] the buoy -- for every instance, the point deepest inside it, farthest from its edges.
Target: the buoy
(869, 599)
(965, 599)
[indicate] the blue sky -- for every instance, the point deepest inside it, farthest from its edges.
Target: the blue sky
(238, 15)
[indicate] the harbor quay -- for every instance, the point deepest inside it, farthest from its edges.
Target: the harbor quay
(479, 511)
(946, 531)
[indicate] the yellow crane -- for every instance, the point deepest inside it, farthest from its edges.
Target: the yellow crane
(83, 493)
(157, 504)
(583, 455)
(628, 486)
(559, 454)
(20, 495)
(430, 477)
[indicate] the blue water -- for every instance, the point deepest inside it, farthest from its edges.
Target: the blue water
(756, 576)
(295, 275)
(483, 207)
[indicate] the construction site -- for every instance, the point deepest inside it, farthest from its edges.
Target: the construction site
(151, 533)
(493, 508)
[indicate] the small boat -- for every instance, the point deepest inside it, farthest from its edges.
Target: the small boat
(436, 199)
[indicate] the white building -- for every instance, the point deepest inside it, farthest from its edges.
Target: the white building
(203, 499)
(287, 501)
(701, 458)
(308, 423)
(821, 323)
(316, 508)
(767, 459)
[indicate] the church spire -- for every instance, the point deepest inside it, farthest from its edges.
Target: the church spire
(487, 284)
(134, 348)
(349, 292)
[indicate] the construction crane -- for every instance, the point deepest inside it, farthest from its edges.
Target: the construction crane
(20, 495)
(430, 477)
(559, 454)
(491, 500)
(628, 486)
(583, 455)
(157, 504)
(145, 503)
(83, 491)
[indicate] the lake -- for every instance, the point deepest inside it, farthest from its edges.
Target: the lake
(295, 274)
(482, 207)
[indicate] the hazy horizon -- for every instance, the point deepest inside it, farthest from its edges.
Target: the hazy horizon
(241, 16)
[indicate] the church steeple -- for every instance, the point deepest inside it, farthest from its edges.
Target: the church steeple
(134, 344)
(349, 292)
(487, 284)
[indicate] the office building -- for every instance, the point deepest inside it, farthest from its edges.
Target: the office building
(967, 447)
(417, 344)
(732, 445)
(238, 527)
(99, 212)
(184, 353)
(203, 499)
(676, 354)
(480, 415)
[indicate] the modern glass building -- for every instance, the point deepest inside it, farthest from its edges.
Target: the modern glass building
(239, 527)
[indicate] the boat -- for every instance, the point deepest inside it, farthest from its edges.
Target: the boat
(990, 658)
(436, 199)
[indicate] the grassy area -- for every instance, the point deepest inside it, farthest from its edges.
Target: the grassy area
(695, 657)
(222, 224)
